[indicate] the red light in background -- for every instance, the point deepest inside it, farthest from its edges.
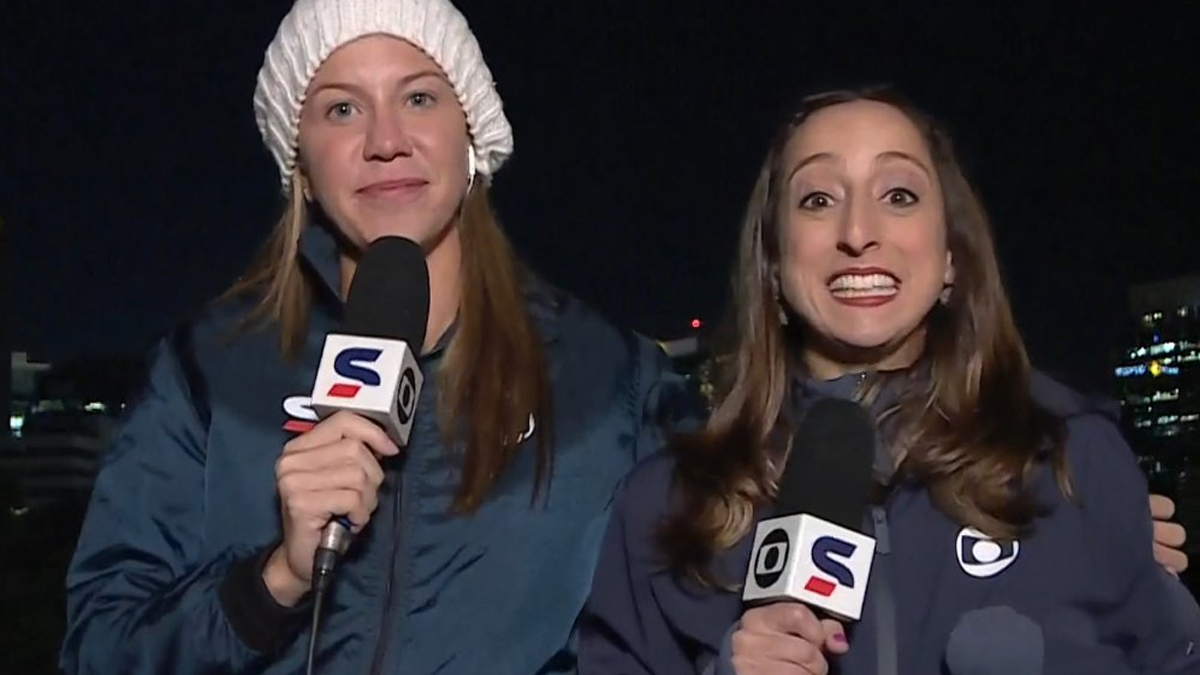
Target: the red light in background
(696, 323)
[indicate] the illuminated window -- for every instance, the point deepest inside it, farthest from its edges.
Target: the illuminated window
(1164, 348)
(1157, 369)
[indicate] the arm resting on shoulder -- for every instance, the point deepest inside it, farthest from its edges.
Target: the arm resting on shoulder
(1153, 620)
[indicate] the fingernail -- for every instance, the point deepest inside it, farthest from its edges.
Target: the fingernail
(840, 638)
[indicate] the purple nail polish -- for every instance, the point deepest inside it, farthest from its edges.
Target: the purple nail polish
(840, 638)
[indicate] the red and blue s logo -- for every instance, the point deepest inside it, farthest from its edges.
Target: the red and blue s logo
(824, 550)
(349, 364)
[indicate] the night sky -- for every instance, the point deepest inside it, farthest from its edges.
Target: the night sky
(136, 187)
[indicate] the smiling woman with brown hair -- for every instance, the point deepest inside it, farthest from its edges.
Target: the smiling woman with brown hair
(867, 273)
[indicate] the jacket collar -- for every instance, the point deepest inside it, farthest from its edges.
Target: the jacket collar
(319, 254)
(853, 386)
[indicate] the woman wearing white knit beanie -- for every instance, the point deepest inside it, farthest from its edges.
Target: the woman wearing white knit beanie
(474, 543)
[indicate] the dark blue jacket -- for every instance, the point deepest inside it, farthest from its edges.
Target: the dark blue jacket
(1086, 575)
(166, 575)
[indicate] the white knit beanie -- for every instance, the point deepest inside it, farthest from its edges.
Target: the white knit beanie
(313, 29)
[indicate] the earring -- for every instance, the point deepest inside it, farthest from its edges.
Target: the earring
(783, 317)
(944, 297)
(300, 185)
(472, 169)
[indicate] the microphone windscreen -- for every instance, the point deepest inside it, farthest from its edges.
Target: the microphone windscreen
(389, 295)
(828, 473)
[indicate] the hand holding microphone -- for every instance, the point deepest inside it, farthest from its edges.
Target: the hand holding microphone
(325, 472)
(810, 563)
(365, 394)
(785, 637)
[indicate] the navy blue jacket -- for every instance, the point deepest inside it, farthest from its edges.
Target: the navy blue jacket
(165, 578)
(1086, 575)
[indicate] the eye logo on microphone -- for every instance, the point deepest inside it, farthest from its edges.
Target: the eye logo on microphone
(407, 397)
(824, 551)
(981, 556)
(771, 558)
(348, 364)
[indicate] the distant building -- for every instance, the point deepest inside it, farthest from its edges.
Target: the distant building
(6, 322)
(685, 353)
(69, 422)
(24, 376)
(1158, 376)
(55, 467)
(691, 357)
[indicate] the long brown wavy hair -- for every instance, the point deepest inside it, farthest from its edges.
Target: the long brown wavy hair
(969, 432)
(494, 337)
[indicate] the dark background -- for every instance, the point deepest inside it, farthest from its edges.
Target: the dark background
(136, 185)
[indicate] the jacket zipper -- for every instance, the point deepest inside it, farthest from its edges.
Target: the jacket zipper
(886, 655)
(400, 510)
(388, 612)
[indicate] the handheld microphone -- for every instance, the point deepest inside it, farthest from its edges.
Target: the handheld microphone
(813, 550)
(995, 640)
(369, 367)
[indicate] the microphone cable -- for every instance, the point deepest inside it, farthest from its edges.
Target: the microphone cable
(312, 636)
(335, 539)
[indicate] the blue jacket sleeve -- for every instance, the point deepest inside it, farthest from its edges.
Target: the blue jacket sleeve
(660, 402)
(625, 629)
(142, 595)
(1147, 614)
(620, 617)
(723, 663)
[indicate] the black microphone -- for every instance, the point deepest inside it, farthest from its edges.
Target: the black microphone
(995, 640)
(369, 366)
(814, 550)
